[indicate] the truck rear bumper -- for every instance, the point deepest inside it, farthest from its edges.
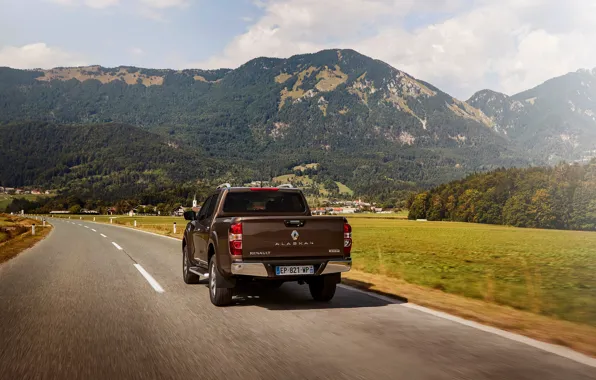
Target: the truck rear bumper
(265, 269)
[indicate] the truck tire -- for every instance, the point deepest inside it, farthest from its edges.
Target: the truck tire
(187, 275)
(218, 296)
(322, 288)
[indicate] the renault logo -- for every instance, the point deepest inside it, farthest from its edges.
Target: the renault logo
(295, 235)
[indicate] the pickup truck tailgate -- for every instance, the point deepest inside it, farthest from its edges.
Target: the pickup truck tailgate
(283, 237)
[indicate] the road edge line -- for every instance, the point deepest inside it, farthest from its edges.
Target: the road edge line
(562, 351)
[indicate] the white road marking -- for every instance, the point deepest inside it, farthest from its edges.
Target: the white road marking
(551, 348)
(117, 246)
(103, 235)
(149, 279)
(81, 225)
(93, 230)
(86, 227)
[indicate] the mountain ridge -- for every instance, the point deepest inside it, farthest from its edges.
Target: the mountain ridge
(368, 124)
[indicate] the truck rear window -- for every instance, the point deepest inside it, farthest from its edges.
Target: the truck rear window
(264, 202)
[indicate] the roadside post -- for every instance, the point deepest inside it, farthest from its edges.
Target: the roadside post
(94, 219)
(110, 220)
(33, 229)
(44, 222)
(80, 218)
(135, 223)
(174, 227)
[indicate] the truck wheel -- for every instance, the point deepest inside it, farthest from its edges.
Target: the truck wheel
(189, 277)
(218, 296)
(322, 288)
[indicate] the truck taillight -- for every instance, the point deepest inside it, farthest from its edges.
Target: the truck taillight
(235, 239)
(347, 239)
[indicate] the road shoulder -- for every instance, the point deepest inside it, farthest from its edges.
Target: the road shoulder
(22, 241)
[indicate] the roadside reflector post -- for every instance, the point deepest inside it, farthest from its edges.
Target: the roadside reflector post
(69, 217)
(135, 223)
(44, 223)
(33, 229)
(174, 227)
(110, 220)
(94, 219)
(80, 218)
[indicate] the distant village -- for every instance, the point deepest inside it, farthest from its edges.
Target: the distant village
(13, 191)
(331, 207)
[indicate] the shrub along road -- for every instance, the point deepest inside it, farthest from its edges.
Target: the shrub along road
(99, 301)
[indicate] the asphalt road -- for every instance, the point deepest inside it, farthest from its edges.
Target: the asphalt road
(76, 307)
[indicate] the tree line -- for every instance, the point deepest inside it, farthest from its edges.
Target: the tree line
(560, 197)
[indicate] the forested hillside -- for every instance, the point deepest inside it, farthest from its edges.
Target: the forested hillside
(105, 161)
(370, 126)
(562, 197)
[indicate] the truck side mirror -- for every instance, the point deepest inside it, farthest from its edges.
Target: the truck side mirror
(189, 215)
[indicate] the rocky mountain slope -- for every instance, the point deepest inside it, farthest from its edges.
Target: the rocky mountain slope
(553, 121)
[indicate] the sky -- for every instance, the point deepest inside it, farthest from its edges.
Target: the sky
(460, 46)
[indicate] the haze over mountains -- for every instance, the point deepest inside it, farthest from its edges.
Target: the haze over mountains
(367, 124)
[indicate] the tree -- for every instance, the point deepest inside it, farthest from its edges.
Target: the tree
(468, 206)
(516, 212)
(76, 209)
(541, 210)
(419, 207)
(583, 216)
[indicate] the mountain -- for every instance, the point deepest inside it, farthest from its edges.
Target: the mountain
(365, 123)
(553, 121)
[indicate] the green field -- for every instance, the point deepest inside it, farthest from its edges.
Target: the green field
(305, 180)
(543, 271)
(546, 272)
(5, 199)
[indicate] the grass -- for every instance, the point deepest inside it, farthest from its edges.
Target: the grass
(305, 180)
(6, 199)
(542, 271)
(343, 189)
(11, 247)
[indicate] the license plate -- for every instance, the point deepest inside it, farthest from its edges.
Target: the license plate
(289, 270)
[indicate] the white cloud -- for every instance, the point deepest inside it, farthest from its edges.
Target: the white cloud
(137, 51)
(162, 4)
(38, 55)
(97, 4)
(507, 45)
(100, 4)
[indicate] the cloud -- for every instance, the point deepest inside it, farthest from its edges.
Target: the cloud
(38, 55)
(100, 4)
(97, 4)
(137, 51)
(163, 4)
(507, 45)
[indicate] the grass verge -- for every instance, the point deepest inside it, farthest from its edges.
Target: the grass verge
(576, 336)
(19, 243)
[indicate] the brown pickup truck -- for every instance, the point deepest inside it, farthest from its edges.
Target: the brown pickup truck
(268, 234)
